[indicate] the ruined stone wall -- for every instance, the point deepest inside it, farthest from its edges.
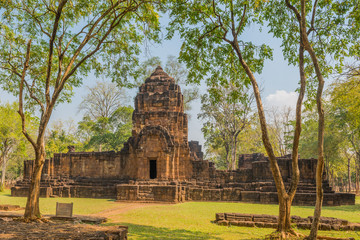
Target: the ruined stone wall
(101, 165)
(260, 166)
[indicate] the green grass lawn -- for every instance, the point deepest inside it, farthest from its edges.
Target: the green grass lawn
(191, 220)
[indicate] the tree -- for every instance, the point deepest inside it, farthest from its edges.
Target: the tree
(10, 136)
(345, 101)
(324, 32)
(280, 127)
(103, 100)
(108, 133)
(59, 137)
(47, 48)
(249, 141)
(313, 25)
(215, 47)
(227, 112)
(333, 142)
(106, 124)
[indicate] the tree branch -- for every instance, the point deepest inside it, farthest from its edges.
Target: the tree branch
(51, 49)
(69, 72)
(296, 12)
(242, 21)
(21, 90)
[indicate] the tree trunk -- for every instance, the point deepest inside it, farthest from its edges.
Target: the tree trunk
(285, 200)
(233, 154)
(349, 175)
(357, 177)
(32, 209)
(227, 150)
(321, 125)
(327, 164)
(3, 173)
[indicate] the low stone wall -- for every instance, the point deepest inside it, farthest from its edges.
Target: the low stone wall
(69, 191)
(179, 192)
(238, 194)
(173, 192)
(149, 193)
(270, 221)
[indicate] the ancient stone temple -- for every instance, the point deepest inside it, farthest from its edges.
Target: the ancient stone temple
(157, 163)
(159, 146)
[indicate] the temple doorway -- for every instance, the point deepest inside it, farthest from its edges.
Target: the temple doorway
(153, 172)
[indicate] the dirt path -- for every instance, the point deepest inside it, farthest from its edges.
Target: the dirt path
(121, 208)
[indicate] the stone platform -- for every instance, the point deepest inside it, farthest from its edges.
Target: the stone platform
(195, 191)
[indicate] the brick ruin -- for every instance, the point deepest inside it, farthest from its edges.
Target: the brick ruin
(158, 163)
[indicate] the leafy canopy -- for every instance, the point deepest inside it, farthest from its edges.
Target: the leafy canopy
(207, 27)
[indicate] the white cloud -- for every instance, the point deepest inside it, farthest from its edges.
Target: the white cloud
(282, 98)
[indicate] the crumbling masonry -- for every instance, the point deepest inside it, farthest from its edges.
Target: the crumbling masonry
(159, 164)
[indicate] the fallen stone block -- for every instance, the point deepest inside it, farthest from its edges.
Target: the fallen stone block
(324, 226)
(223, 223)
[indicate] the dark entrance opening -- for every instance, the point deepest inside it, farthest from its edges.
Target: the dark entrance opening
(153, 173)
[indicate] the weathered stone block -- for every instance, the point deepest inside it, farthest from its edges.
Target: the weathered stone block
(324, 226)
(165, 193)
(220, 216)
(304, 225)
(250, 196)
(127, 192)
(223, 223)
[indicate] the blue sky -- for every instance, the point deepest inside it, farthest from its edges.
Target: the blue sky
(278, 80)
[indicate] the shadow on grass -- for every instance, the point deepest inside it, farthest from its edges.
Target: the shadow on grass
(150, 232)
(347, 208)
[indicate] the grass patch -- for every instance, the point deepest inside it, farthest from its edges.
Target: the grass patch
(195, 218)
(190, 220)
(48, 205)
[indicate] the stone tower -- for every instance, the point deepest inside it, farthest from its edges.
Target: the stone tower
(158, 148)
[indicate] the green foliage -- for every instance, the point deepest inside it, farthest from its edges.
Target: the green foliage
(13, 146)
(59, 138)
(345, 97)
(206, 27)
(226, 112)
(334, 142)
(331, 32)
(107, 133)
(345, 103)
(101, 36)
